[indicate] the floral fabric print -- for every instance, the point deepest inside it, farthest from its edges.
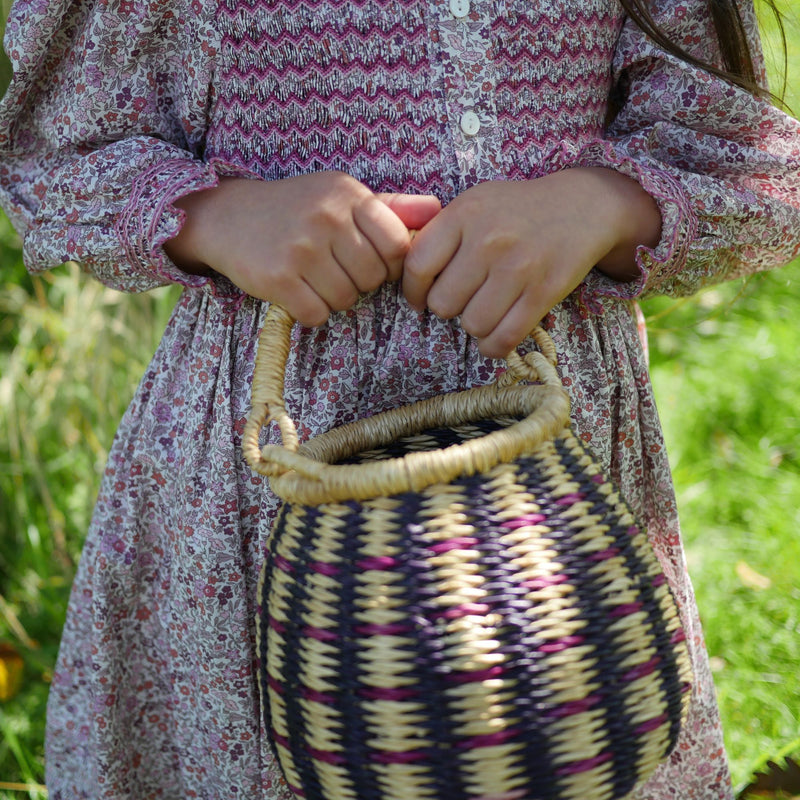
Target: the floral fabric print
(119, 107)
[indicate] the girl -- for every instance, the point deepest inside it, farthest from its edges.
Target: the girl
(273, 150)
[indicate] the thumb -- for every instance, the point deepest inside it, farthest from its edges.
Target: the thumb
(414, 210)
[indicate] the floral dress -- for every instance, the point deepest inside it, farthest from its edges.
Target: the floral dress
(119, 107)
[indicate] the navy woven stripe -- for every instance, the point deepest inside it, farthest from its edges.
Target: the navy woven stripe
(508, 597)
(300, 595)
(279, 527)
(619, 724)
(668, 669)
(431, 671)
(355, 737)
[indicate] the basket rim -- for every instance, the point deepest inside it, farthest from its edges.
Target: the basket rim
(313, 477)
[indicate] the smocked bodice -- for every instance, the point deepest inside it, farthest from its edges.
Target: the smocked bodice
(409, 96)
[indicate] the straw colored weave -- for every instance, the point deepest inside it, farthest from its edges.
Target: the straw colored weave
(498, 628)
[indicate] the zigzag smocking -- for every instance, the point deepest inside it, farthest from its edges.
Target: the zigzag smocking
(553, 79)
(376, 87)
(319, 84)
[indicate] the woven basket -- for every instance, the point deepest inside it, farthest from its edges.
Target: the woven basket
(457, 603)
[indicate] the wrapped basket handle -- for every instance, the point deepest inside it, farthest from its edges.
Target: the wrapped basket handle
(545, 406)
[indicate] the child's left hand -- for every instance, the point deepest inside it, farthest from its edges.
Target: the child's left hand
(503, 253)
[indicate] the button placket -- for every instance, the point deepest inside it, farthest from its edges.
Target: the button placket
(460, 8)
(466, 41)
(470, 123)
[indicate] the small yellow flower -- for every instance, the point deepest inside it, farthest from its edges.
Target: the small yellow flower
(11, 668)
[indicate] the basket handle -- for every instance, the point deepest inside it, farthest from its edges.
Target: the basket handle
(268, 392)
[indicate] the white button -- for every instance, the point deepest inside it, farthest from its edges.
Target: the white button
(459, 8)
(470, 123)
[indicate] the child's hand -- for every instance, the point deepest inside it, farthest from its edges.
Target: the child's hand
(503, 253)
(311, 243)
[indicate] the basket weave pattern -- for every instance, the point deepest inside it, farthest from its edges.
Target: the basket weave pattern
(506, 634)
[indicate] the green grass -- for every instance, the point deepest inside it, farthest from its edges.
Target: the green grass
(729, 398)
(724, 372)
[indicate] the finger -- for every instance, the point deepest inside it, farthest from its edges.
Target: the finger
(523, 316)
(414, 210)
(331, 283)
(357, 256)
(433, 248)
(305, 305)
(385, 231)
(489, 303)
(455, 287)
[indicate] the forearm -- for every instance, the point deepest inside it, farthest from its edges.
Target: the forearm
(634, 214)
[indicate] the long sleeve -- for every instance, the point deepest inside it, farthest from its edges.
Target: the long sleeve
(723, 165)
(101, 130)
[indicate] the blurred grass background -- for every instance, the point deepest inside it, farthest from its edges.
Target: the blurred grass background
(725, 372)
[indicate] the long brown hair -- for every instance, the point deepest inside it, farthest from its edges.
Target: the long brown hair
(737, 61)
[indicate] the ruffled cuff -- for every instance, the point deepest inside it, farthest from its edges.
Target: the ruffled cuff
(658, 266)
(150, 218)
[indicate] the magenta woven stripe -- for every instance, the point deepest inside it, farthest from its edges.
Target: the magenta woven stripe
(276, 625)
(374, 693)
(527, 519)
(643, 669)
(603, 555)
(625, 609)
(545, 582)
(678, 636)
(324, 568)
(585, 765)
(319, 697)
(474, 676)
(574, 707)
(558, 645)
(283, 565)
(379, 563)
(459, 543)
(399, 757)
(320, 634)
(488, 740)
(652, 724)
(326, 756)
(570, 499)
(393, 629)
(464, 610)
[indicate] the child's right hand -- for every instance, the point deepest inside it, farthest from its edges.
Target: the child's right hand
(311, 243)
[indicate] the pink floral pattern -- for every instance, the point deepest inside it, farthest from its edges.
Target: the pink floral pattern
(119, 107)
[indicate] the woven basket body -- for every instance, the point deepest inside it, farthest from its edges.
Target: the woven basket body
(505, 633)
